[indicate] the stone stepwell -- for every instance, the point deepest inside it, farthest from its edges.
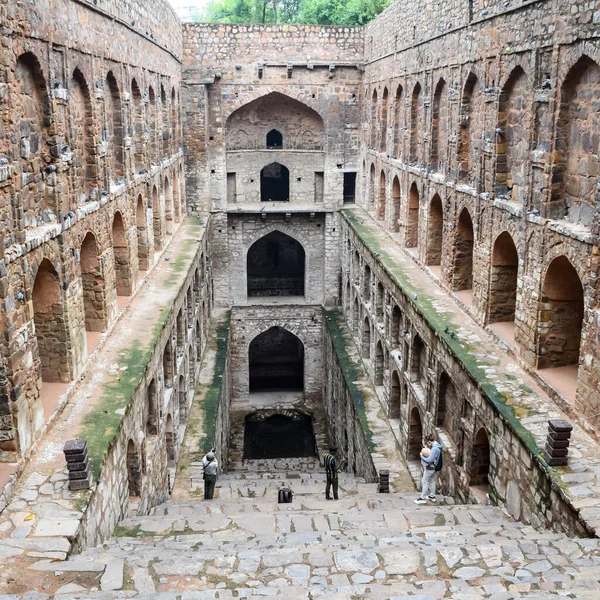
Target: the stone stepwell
(366, 545)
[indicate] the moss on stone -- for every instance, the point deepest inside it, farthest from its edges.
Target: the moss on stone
(351, 371)
(424, 305)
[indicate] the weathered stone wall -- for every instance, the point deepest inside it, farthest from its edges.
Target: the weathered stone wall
(227, 67)
(138, 470)
(340, 399)
(90, 164)
(477, 124)
(427, 388)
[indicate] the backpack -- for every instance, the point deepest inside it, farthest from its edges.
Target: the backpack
(439, 463)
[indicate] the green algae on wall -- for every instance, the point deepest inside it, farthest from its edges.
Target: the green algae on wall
(351, 371)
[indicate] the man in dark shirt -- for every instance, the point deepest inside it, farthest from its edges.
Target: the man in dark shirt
(331, 470)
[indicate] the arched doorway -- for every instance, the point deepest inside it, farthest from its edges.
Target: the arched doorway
(183, 400)
(134, 473)
(411, 233)
(463, 253)
(503, 282)
(366, 339)
(274, 140)
(121, 256)
(275, 183)
(276, 362)
(480, 459)
(435, 227)
(170, 442)
(382, 197)
(92, 282)
(279, 435)
(395, 205)
(560, 316)
(379, 366)
(415, 435)
(142, 236)
(276, 266)
(395, 396)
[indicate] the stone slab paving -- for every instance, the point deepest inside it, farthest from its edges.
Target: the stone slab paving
(44, 515)
(366, 545)
(580, 480)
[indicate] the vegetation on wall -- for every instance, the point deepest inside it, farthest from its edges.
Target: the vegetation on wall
(310, 12)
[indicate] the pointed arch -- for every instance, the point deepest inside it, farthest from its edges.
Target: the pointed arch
(373, 143)
(366, 339)
(398, 122)
(468, 129)
(439, 127)
(384, 121)
(396, 205)
(123, 274)
(134, 471)
(435, 232)
(411, 233)
(82, 138)
(462, 276)
(114, 125)
(503, 280)
(93, 285)
(274, 140)
(152, 126)
(165, 132)
(480, 459)
(416, 125)
(415, 435)
(157, 221)
(395, 395)
(276, 361)
(137, 119)
(276, 266)
(379, 363)
(275, 183)
(371, 191)
(382, 197)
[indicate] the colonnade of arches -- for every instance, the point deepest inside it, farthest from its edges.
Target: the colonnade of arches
(169, 390)
(498, 119)
(106, 134)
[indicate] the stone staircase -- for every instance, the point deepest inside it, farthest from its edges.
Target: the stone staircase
(366, 545)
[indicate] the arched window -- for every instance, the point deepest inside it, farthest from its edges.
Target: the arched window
(435, 231)
(463, 253)
(275, 183)
(123, 275)
(275, 266)
(142, 235)
(276, 362)
(503, 282)
(274, 140)
(415, 435)
(92, 283)
(411, 234)
(138, 126)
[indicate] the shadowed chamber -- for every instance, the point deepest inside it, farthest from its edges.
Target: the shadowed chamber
(276, 362)
(275, 266)
(279, 436)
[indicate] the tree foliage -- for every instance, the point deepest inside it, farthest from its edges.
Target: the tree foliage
(317, 12)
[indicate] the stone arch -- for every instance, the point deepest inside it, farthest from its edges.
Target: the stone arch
(143, 246)
(462, 272)
(435, 232)
(379, 302)
(382, 197)
(411, 233)
(371, 191)
(123, 274)
(398, 122)
(165, 124)
(366, 339)
(469, 129)
(415, 435)
(137, 119)
(367, 283)
(276, 361)
(275, 183)
(418, 364)
(174, 121)
(439, 126)
(448, 412)
(247, 126)
(134, 471)
(384, 120)
(480, 459)
(274, 140)
(92, 283)
(176, 195)
(560, 318)
(276, 266)
(396, 326)
(395, 395)
(180, 332)
(49, 317)
(82, 137)
(355, 317)
(416, 125)
(114, 124)
(198, 338)
(503, 280)
(183, 400)
(170, 442)
(153, 126)
(513, 138)
(379, 363)
(32, 91)
(169, 206)
(574, 175)
(396, 205)
(157, 224)
(373, 143)
(151, 412)
(168, 361)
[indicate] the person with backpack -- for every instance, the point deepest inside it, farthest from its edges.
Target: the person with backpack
(331, 472)
(211, 467)
(431, 465)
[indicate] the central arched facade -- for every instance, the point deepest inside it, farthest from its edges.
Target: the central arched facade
(276, 362)
(275, 266)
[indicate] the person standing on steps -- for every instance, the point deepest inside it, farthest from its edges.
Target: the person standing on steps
(210, 465)
(331, 471)
(431, 465)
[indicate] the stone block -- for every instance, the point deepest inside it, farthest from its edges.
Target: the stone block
(560, 426)
(81, 484)
(75, 447)
(556, 462)
(556, 452)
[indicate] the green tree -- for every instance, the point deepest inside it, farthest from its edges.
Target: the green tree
(339, 12)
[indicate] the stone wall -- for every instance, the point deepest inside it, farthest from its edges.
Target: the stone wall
(138, 468)
(230, 71)
(91, 182)
(428, 390)
(476, 144)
